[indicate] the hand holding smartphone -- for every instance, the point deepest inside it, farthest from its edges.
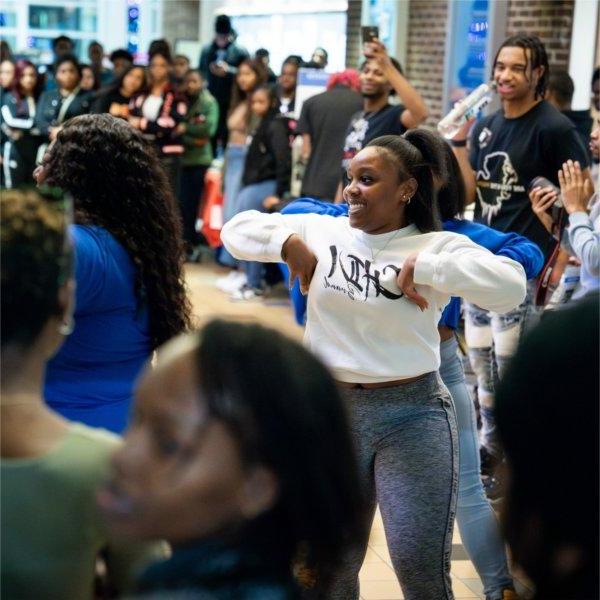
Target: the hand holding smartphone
(369, 33)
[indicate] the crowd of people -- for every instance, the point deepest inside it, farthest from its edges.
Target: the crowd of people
(250, 466)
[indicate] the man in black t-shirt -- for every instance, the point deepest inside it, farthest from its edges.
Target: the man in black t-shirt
(381, 76)
(323, 123)
(526, 138)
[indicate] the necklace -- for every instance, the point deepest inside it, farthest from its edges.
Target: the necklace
(375, 255)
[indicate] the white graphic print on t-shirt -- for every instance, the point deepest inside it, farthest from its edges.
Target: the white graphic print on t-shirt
(499, 164)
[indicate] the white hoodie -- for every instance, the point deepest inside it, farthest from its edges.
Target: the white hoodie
(358, 321)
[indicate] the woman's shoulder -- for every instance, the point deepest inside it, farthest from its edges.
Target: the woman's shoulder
(96, 247)
(439, 240)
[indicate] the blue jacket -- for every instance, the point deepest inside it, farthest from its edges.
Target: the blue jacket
(510, 245)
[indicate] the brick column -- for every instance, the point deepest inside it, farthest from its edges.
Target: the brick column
(181, 20)
(353, 41)
(425, 53)
(550, 20)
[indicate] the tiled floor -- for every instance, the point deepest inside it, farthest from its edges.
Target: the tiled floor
(378, 581)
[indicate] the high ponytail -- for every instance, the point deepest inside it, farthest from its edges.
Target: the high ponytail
(452, 195)
(420, 155)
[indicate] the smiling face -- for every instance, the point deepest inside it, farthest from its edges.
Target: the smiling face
(515, 78)
(373, 82)
(179, 475)
(375, 195)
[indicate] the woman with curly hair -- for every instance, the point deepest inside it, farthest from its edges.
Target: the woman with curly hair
(129, 254)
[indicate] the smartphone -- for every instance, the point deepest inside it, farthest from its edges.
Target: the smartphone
(369, 33)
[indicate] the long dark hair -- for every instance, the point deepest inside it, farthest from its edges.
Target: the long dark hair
(547, 416)
(284, 409)
(237, 94)
(16, 88)
(118, 83)
(419, 154)
(117, 182)
(539, 58)
(452, 194)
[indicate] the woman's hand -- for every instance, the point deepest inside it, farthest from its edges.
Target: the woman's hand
(542, 200)
(270, 202)
(406, 282)
(300, 260)
(574, 189)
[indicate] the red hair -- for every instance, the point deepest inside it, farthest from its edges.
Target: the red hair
(20, 67)
(349, 78)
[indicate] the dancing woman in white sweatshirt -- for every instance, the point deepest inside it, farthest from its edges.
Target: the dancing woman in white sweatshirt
(378, 281)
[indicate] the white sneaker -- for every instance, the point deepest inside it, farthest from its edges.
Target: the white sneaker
(247, 294)
(232, 282)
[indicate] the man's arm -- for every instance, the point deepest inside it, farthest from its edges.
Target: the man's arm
(306, 147)
(415, 108)
(462, 156)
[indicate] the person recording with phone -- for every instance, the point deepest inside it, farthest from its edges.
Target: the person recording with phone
(380, 77)
(219, 62)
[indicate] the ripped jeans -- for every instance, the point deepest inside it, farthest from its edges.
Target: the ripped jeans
(492, 339)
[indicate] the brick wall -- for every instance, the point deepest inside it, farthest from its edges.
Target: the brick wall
(425, 53)
(181, 20)
(551, 20)
(353, 41)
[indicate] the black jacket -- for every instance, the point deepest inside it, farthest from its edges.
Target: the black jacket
(269, 155)
(49, 108)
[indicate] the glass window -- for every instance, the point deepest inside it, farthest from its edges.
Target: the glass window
(41, 47)
(62, 17)
(295, 33)
(8, 18)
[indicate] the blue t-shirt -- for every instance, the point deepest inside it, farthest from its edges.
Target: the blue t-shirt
(510, 245)
(92, 376)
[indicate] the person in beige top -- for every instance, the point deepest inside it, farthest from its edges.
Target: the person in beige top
(251, 74)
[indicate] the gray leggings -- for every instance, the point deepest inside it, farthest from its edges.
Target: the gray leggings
(407, 446)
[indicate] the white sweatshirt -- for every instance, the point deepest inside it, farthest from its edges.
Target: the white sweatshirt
(358, 320)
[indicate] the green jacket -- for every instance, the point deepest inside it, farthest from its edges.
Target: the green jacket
(200, 125)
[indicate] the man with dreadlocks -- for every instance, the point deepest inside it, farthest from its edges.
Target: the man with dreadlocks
(526, 138)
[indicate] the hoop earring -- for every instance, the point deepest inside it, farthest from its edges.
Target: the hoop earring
(67, 326)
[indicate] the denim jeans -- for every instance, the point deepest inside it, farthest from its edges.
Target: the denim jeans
(476, 519)
(251, 198)
(235, 158)
(492, 339)
(407, 450)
